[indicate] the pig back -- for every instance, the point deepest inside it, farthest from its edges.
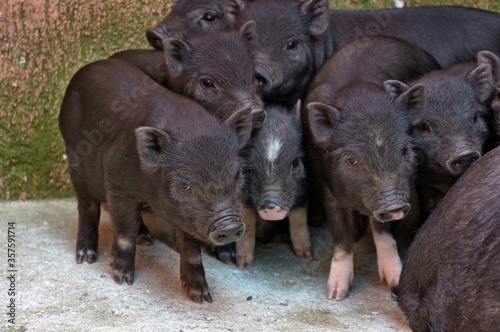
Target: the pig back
(113, 93)
(371, 59)
(103, 105)
(451, 278)
(437, 29)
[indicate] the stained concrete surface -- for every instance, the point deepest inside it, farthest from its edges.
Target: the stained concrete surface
(279, 293)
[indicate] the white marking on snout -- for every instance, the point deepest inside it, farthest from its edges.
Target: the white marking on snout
(273, 148)
(379, 140)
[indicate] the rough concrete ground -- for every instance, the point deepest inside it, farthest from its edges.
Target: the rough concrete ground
(279, 293)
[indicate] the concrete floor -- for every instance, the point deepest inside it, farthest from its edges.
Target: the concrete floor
(279, 293)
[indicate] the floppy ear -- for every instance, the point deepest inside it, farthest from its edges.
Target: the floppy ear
(249, 33)
(155, 36)
(233, 9)
(318, 14)
(241, 122)
(481, 79)
(321, 117)
(150, 143)
(411, 98)
(175, 52)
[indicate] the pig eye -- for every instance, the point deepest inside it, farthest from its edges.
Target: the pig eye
(404, 152)
(295, 163)
(207, 83)
(291, 45)
(352, 161)
(184, 184)
(209, 17)
(474, 118)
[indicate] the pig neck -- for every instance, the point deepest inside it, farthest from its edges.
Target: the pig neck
(323, 46)
(435, 177)
(175, 83)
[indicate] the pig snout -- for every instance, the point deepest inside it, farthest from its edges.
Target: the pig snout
(226, 229)
(267, 76)
(272, 208)
(458, 164)
(392, 212)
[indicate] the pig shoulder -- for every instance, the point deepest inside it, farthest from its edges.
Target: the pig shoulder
(151, 62)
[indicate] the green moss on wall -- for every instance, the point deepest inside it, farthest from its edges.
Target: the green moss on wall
(42, 44)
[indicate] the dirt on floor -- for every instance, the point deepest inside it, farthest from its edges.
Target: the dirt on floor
(279, 293)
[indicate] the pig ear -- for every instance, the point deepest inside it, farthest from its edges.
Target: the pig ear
(411, 98)
(233, 9)
(155, 36)
(318, 13)
(321, 117)
(175, 51)
(481, 79)
(241, 122)
(297, 112)
(249, 33)
(394, 88)
(150, 144)
(489, 58)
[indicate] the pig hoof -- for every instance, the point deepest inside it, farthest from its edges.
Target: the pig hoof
(198, 294)
(340, 278)
(227, 253)
(391, 277)
(145, 239)
(336, 293)
(389, 270)
(120, 278)
(244, 262)
(304, 254)
(86, 255)
(199, 298)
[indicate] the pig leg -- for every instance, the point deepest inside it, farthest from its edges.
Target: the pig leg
(192, 271)
(126, 220)
(245, 246)
(299, 233)
(227, 253)
(144, 237)
(89, 211)
(388, 261)
(342, 266)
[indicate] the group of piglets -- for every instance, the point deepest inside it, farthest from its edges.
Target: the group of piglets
(252, 112)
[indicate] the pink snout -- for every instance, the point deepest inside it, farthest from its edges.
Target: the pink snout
(392, 212)
(275, 213)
